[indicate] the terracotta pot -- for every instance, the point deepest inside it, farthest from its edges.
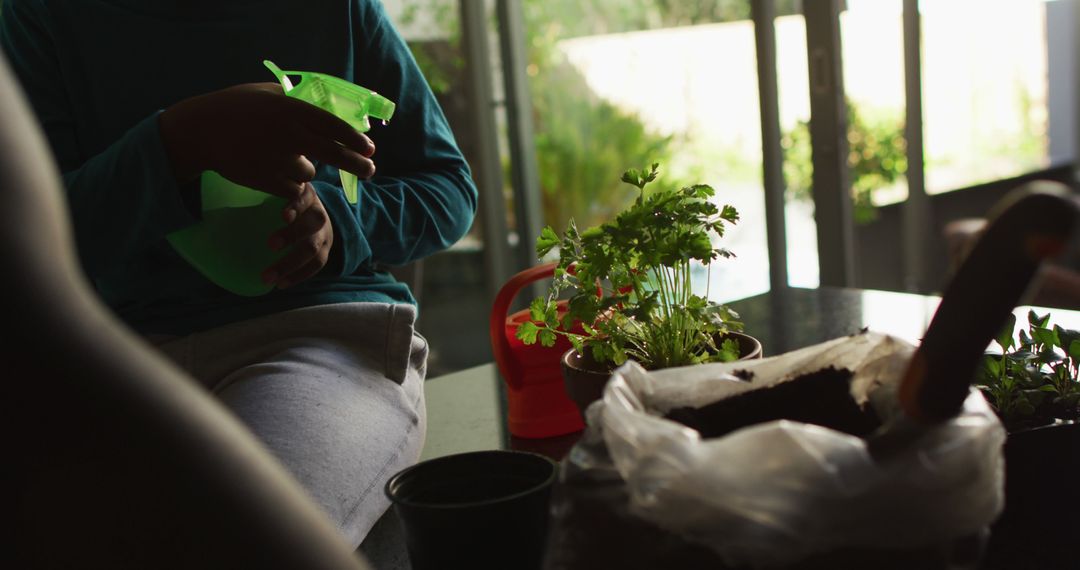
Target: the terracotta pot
(584, 378)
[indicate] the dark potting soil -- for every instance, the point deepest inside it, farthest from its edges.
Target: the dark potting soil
(747, 375)
(822, 398)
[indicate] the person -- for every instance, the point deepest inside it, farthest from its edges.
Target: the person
(139, 97)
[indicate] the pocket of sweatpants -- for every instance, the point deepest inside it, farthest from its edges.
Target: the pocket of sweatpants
(405, 348)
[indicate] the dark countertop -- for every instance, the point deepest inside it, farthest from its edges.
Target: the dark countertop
(792, 318)
(465, 406)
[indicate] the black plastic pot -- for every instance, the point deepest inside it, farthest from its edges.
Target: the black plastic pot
(484, 509)
(1042, 501)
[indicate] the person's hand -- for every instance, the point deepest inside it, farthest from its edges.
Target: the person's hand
(311, 236)
(256, 136)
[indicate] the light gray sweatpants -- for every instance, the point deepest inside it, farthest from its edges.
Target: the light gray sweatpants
(334, 391)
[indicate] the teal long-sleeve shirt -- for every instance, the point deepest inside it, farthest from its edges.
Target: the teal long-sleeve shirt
(98, 73)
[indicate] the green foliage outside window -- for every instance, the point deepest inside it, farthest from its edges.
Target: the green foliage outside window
(580, 139)
(877, 158)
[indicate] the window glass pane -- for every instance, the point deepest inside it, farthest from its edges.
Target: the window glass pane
(619, 85)
(985, 89)
(432, 29)
(452, 294)
(794, 87)
(872, 44)
(872, 38)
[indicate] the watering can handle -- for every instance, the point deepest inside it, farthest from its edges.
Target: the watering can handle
(499, 344)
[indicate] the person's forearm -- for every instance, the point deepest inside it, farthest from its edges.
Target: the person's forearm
(179, 126)
(397, 219)
(422, 198)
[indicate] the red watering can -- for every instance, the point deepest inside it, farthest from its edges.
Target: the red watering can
(536, 399)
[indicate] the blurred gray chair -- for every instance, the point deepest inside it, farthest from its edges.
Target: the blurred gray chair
(1058, 284)
(116, 459)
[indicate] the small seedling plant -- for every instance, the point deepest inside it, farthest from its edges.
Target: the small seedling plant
(629, 281)
(1033, 381)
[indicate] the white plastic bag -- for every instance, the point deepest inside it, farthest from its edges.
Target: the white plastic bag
(774, 493)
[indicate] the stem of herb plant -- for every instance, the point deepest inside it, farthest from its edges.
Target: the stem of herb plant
(661, 286)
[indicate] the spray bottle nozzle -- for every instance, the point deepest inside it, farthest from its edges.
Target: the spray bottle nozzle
(349, 102)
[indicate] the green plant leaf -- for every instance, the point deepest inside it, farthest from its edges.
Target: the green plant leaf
(546, 242)
(578, 343)
(527, 332)
(991, 365)
(537, 309)
(547, 337)
(1005, 335)
(729, 350)
(1036, 321)
(1045, 336)
(730, 214)
(638, 177)
(1065, 336)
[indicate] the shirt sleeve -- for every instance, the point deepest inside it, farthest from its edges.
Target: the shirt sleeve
(422, 198)
(120, 200)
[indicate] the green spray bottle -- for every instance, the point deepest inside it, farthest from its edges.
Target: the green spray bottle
(229, 246)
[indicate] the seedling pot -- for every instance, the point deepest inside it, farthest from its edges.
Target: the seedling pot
(484, 509)
(1039, 524)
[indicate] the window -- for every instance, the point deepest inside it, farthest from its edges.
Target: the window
(673, 83)
(985, 89)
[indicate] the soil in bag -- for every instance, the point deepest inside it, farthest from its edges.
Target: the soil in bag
(596, 528)
(822, 398)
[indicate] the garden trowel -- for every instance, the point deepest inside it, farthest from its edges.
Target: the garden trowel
(1029, 226)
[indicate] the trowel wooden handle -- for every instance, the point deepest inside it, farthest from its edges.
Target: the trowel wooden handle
(1030, 225)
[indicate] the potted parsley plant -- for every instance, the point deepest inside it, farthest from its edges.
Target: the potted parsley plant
(630, 290)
